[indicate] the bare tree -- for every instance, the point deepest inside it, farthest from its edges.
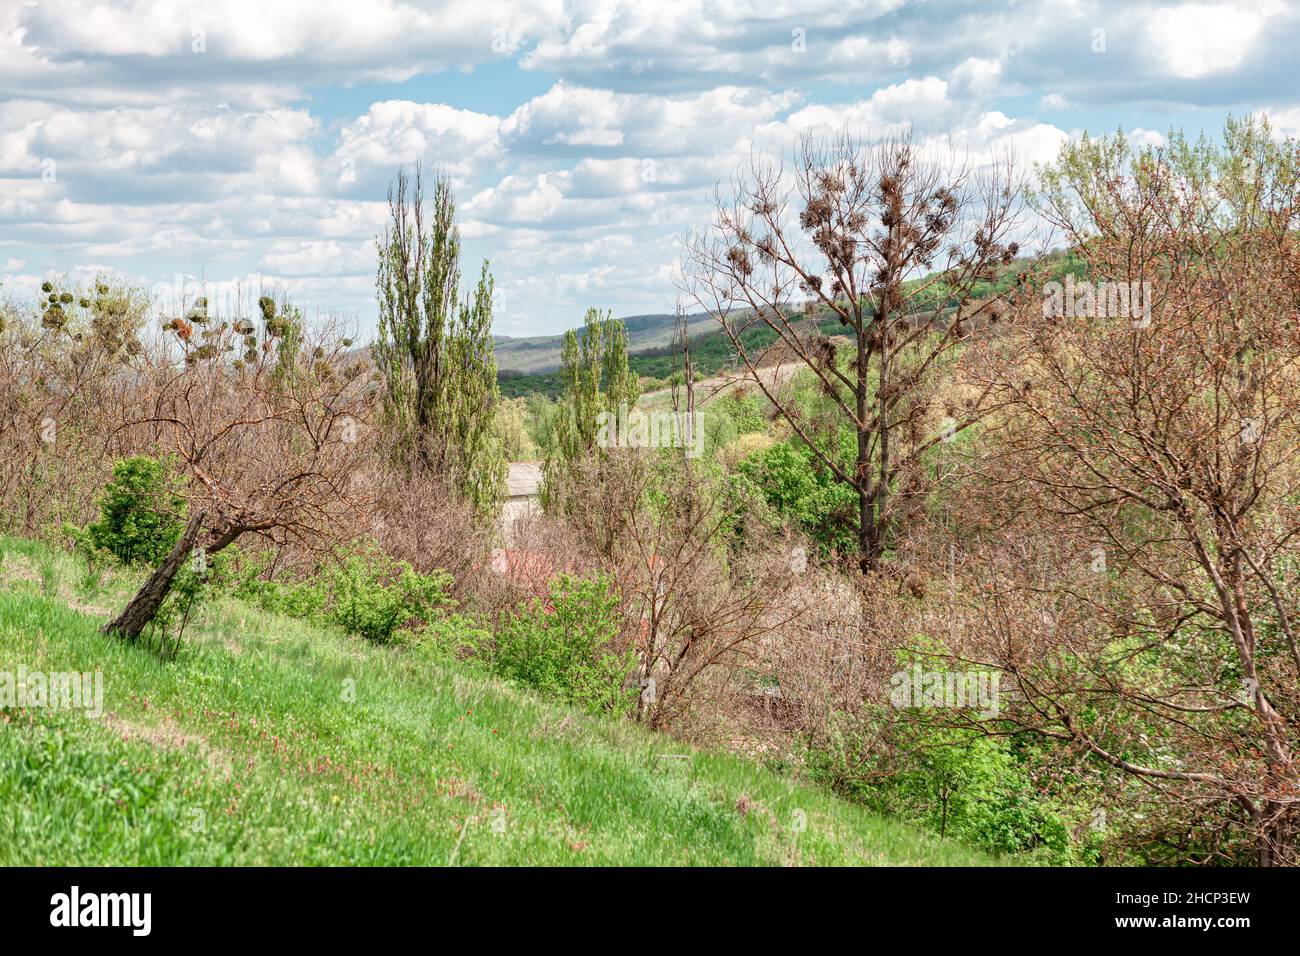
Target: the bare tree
(697, 607)
(68, 373)
(686, 395)
(893, 248)
(273, 444)
(1144, 480)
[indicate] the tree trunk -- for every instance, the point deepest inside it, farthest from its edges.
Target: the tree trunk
(862, 464)
(1275, 836)
(135, 617)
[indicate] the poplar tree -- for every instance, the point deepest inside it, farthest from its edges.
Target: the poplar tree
(478, 465)
(596, 376)
(434, 351)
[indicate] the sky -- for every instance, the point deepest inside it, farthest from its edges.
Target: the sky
(248, 144)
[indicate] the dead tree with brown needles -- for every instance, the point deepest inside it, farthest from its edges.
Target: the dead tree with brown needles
(888, 247)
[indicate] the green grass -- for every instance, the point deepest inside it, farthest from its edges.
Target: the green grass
(247, 750)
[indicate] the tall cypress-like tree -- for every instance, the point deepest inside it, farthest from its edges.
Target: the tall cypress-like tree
(620, 383)
(596, 376)
(434, 350)
(594, 370)
(479, 465)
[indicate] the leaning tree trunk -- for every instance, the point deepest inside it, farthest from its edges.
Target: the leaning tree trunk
(135, 617)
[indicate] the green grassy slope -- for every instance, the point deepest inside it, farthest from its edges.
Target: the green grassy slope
(246, 750)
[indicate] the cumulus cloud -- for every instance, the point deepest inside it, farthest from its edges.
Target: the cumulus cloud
(1285, 122)
(1199, 39)
(320, 257)
(915, 103)
(397, 133)
(200, 152)
(235, 141)
(575, 120)
(683, 44)
(188, 46)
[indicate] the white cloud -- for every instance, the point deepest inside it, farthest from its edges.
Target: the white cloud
(579, 119)
(1141, 138)
(917, 103)
(678, 44)
(518, 199)
(1201, 39)
(344, 39)
(396, 133)
(320, 257)
(211, 151)
(583, 136)
(1285, 122)
(977, 75)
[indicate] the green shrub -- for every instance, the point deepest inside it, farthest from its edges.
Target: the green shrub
(745, 411)
(719, 431)
(798, 487)
(959, 784)
(142, 511)
(564, 647)
(240, 573)
(367, 594)
(304, 600)
(459, 637)
(375, 597)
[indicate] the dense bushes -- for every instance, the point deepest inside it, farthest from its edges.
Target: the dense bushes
(805, 493)
(366, 593)
(962, 785)
(375, 597)
(745, 411)
(565, 647)
(142, 511)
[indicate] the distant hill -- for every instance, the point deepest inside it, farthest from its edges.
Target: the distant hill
(712, 353)
(539, 354)
(529, 366)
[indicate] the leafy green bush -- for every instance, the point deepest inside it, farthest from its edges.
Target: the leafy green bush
(241, 574)
(959, 784)
(798, 487)
(142, 511)
(745, 411)
(564, 648)
(459, 637)
(368, 593)
(304, 600)
(373, 596)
